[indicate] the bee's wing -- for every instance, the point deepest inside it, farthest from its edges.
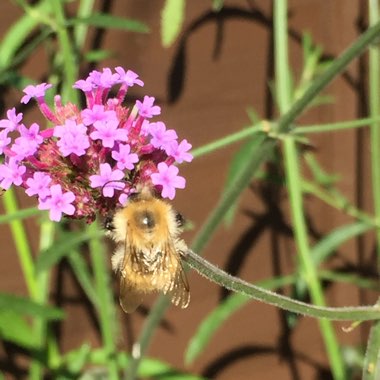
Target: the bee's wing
(178, 290)
(130, 298)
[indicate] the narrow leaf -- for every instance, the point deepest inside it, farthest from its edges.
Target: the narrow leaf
(217, 5)
(63, 247)
(22, 305)
(97, 55)
(371, 367)
(82, 274)
(19, 214)
(237, 162)
(17, 34)
(13, 328)
(172, 17)
(103, 20)
(326, 246)
(221, 313)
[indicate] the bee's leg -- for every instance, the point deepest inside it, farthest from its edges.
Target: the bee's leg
(108, 223)
(180, 220)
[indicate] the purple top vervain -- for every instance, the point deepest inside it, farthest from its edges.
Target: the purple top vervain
(92, 158)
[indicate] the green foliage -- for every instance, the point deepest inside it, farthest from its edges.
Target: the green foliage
(106, 21)
(172, 17)
(27, 321)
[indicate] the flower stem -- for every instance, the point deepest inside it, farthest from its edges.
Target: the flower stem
(309, 271)
(294, 185)
(227, 140)
(217, 275)
(374, 111)
(253, 161)
(106, 309)
(69, 58)
(21, 241)
(44, 337)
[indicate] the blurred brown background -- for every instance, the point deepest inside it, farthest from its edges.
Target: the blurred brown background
(221, 64)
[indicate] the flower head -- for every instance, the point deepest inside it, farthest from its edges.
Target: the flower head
(34, 92)
(58, 203)
(73, 138)
(124, 158)
(12, 121)
(92, 158)
(167, 177)
(108, 180)
(38, 185)
(146, 107)
(180, 152)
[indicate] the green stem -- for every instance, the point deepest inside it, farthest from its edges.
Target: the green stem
(294, 181)
(69, 58)
(371, 365)
(254, 159)
(307, 265)
(106, 308)
(227, 140)
(374, 111)
(337, 66)
(85, 9)
(21, 241)
(331, 127)
(282, 72)
(217, 275)
(45, 339)
(337, 200)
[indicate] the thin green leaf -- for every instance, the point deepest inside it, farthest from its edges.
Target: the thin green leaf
(102, 20)
(97, 55)
(221, 313)
(172, 17)
(326, 246)
(371, 367)
(77, 359)
(17, 34)
(22, 305)
(15, 329)
(20, 214)
(236, 163)
(217, 5)
(82, 274)
(163, 371)
(63, 247)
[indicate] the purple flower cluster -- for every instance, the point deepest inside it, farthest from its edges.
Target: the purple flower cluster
(92, 158)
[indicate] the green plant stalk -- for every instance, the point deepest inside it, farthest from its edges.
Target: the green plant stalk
(254, 160)
(293, 179)
(80, 30)
(282, 72)
(371, 367)
(260, 127)
(337, 66)
(40, 325)
(374, 112)
(331, 127)
(309, 271)
(20, 239)
(227, 140)
(68, 56)
(106, 307)
(236, 284)
(337, 201)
